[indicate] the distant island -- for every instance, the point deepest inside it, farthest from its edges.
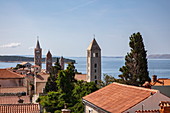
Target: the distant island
(28, 59)
(159, 56)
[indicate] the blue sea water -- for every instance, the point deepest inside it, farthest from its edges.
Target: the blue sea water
(111, 65)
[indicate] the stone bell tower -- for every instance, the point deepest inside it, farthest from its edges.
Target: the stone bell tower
(38, 54)
(48, 62)
(93, 62)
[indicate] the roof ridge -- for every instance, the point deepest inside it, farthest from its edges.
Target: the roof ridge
(19, 104)
(136, 87)
(15, 87)
(15, 73)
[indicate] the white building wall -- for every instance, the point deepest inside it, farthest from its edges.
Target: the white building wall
(88, 109)
(151, 103)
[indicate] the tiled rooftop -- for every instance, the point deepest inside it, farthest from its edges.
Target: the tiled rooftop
(162, 81)
(13, 99)
(81, 77)
(164, 104)
(5, 73)
(147, 111)
(19, 108)
(13, 89)
(117, 98)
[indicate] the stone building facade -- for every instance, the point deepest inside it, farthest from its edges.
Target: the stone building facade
(38, 54)
(93, 62)
(48, 61)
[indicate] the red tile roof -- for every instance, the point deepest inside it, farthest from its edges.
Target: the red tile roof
(19, 108)
(35, 66)
(13, 99)
(147, 111)
(12, 89)
(118, 98)
(164, 104)
(81, 77)
(5, 73)
(162, 82)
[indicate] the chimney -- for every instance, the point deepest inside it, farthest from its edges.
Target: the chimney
(164, 107)
(20, 100)
(154, 78)
(65, 111)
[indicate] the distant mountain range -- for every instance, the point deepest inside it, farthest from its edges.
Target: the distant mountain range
(28, 59)
(14, 58)
(159, 56)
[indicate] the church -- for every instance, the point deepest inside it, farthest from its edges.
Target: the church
(93, 62)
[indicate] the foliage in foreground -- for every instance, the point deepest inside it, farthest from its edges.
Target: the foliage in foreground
(68, 91)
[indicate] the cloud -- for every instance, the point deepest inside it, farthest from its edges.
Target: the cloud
(11, 45)
(31, 48)
(81, 5)
(76, 7)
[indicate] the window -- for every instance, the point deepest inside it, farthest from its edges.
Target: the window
(90, 111)
(95, 81)
(95, 77)
(95, 55)
(95, 65)
(95, 70)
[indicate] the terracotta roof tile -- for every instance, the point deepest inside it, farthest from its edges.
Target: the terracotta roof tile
(119, 95)
(13, 99)
(81, 77)
(35, 66)
(5, 73)
(165, 81)
(147, 111)
(19, 108)
(13, 89)
(164, 104)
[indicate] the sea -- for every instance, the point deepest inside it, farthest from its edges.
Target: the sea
(111, 66)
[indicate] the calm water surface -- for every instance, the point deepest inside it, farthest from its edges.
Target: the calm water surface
(111, 66)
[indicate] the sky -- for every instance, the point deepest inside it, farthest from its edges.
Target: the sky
(67, 27)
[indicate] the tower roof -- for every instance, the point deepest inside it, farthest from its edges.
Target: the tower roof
(38, 45)
(93, 45)
(49, 53)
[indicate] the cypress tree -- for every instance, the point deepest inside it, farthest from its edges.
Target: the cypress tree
(135, 71)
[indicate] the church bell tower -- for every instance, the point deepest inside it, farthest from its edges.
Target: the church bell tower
(38, 54)
(93, 62)
(48, 62)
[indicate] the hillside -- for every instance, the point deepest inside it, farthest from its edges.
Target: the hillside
(27, 59)
(159, 56)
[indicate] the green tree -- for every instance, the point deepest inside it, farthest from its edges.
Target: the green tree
(51, 82)
(80, 90)
(69, 91)
(52, 102)
(18, 66)
(107, 79)
(135, 71)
